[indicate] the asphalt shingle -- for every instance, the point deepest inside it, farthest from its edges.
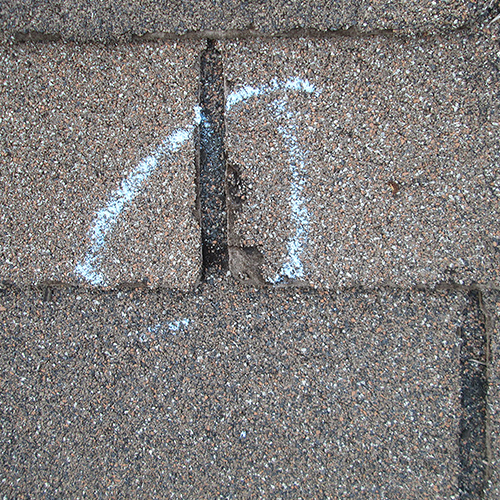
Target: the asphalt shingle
(101, 20)
(230, 392)
(98, 175)
(492, 309)
(365, 161)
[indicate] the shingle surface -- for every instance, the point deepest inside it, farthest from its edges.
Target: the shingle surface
(101, 20)
(366, 161)
(98, 164)
(230, 392)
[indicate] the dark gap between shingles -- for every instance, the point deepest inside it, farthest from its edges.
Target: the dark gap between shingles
(212, 167)
(473, 371)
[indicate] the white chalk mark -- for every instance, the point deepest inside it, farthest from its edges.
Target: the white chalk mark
(300, 85)
(171, 327)
(175, 326)
(293, 267)
(242, 94)
(198, 115)
(107, 217)
(247, 92)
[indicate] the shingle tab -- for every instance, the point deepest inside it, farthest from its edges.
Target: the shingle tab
(231, 392)
(120, 20)
(366, 161)
(98, 164)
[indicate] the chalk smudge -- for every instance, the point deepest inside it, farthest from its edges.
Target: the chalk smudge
(171, 327)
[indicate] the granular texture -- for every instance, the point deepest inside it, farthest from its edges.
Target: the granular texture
(367, 161)
(98, 175)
